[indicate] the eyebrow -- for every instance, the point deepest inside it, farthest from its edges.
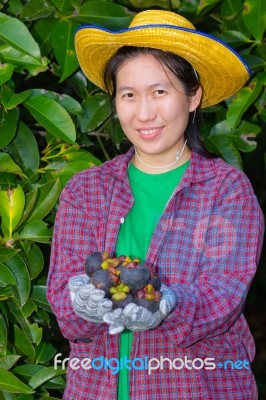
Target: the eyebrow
(153, 86)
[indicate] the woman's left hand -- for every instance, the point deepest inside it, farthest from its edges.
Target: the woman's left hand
(138, 318)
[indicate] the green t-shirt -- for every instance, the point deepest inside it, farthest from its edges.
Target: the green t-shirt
(151, 193)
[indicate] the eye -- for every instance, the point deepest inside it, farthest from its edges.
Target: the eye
(127, 95)
(160, 92)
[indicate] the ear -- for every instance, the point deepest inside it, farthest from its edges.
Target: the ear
(195, 99)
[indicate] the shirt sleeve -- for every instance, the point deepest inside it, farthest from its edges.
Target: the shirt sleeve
(232, 245)
(73, 240)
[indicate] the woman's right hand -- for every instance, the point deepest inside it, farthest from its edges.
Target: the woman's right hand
(88, 302)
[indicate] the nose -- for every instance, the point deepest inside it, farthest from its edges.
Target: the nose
(145, 109)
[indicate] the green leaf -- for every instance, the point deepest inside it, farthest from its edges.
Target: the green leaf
(230, 8)
(28, 370)
(96, 109)
(28, 308)
(23, 344)
(10, 55)
(12, 203)
(6, 254)
(39, 296)
(65, 7)
(6, 276)
(254, 16)
(82, 155)
(225, 147)
(105, 14)
(30, 201)
(260, 103)
(6, 71)
(3, 335)
(36, 9)
(8, 126)
(11, 100)
(62, 39)
(7, 362)
(6, 293)
(36, 333)
(36, 231)
(48, 196)
(16, 310)
(24, 149)
(53, 117)
(255, 63)
(234, 38)
(42, 32)
(20, 271)
(241, 102)
(79, 84)
(14, 7)
(35, 261)
(12, 384)
(240, 136)
(8, 165)
(45, 352)
(205, 5)
(76, 166)
(44, 375)
(16, 34)
(68, 102)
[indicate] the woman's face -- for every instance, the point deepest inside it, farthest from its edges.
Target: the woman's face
(153, 108)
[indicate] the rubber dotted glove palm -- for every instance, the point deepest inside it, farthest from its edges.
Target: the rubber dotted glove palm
(88, 302)
(138, 318)
(116, 321)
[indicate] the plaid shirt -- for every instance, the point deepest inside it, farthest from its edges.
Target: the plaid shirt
(206, 247)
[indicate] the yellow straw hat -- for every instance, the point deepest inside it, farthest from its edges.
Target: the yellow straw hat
(222, 72)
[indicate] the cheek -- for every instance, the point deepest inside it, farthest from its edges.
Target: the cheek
(124, 112)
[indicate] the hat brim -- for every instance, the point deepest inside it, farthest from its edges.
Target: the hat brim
(221, 70)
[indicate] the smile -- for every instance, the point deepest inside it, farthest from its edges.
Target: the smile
(151, 131)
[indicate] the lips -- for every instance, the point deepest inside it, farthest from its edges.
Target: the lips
(150, 132)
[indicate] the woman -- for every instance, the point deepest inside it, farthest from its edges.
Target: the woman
(193, 218)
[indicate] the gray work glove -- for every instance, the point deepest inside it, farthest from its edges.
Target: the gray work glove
(138, 318)
(88, 302)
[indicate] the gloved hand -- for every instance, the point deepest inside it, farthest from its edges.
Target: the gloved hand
(138, 318)
(88, 302)
(116, 321)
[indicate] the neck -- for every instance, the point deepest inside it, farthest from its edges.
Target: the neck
(156, 165)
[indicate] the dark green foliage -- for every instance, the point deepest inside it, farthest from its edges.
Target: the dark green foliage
(54, 123)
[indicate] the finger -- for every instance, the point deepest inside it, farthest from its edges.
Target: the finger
(129, 309)
(113, 316)
(142, 316)
(116, 328)
(84, 292)
(164, 307)
(104, 306)
(75, 282)
(96, 295)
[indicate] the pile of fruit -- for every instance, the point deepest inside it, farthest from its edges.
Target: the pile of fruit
(124, 280)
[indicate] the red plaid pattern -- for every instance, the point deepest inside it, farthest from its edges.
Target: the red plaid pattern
(206, 247)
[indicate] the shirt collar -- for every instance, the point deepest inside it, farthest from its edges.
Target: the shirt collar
(200, 168)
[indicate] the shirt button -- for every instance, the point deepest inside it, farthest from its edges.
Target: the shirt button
(122, 220)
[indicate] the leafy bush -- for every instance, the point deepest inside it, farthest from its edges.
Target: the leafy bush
(54, 123)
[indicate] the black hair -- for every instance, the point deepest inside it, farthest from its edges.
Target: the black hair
(181, 68)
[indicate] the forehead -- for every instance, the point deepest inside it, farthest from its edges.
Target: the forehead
(144, 68)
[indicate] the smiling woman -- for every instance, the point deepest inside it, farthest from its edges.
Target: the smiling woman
(191, 217)
(154, 112)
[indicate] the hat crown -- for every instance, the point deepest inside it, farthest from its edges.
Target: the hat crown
(150, 17)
